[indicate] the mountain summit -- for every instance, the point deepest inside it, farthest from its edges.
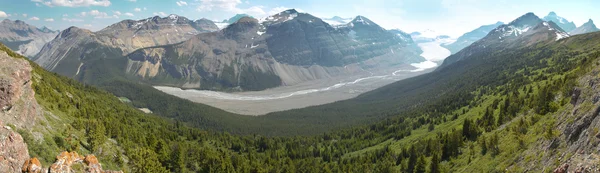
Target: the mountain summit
(587, 27)
(563, 23)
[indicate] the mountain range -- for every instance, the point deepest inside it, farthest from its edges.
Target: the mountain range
(283, 49)
(526, 30)
(24, 39)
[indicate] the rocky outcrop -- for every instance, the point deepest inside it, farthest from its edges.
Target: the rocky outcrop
(18, 106)
(33, 165)
(13, 150)
(65, 162)
(24, 39)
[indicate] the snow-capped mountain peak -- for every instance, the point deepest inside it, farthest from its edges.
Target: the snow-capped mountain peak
(281, 17)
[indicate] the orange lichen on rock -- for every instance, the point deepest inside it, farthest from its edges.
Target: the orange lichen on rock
(32, 165)
(64, 162)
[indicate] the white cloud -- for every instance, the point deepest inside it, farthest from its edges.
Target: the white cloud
(49, 20)
(181, 3)
(118, 13)
(100, 15)
(132, 0)
(72, 20)
(3, 14)
(87, 26)
(145, 9)
(137, 9)
(128, 14)
(280, 9)
(65, 15)
(34, 18)
(74, 3)
(24, 15)
(229, 6)
(160, 13)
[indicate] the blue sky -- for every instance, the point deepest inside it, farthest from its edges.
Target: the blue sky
(451, 17)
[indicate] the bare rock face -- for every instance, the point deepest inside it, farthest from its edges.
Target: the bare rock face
(562, 169)
(13, 150)
(17, 98)
(64, 164)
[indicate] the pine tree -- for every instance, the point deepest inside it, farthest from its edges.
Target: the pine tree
(420, 165)
(434, 166)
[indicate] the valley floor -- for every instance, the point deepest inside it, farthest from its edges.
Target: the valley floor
(315, 92)
(306, 94)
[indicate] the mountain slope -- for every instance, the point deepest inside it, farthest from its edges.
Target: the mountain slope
(587, 27)
(470, 37)
(74, 46)
(563, 23)
(24, 39)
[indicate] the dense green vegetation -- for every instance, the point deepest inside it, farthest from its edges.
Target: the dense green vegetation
(448, 120)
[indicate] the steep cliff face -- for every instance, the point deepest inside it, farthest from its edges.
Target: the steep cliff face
(68, 53)
(283, 49)
(24, 39)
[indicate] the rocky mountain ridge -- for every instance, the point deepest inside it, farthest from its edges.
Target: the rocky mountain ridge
(73, 45)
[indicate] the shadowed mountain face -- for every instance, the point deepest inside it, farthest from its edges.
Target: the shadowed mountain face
(524, 31)
(587, 27)
(471, 37)
(283, 49)
(74, 46)
(23, 38)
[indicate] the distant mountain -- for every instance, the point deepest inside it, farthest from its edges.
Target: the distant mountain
(24, 39)
(235, 18)
(337, 20)
(427, 36)
(563, 23)
(585, 28)
(69, 51)
(524, 31)
(471, 37)
(284, 49)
